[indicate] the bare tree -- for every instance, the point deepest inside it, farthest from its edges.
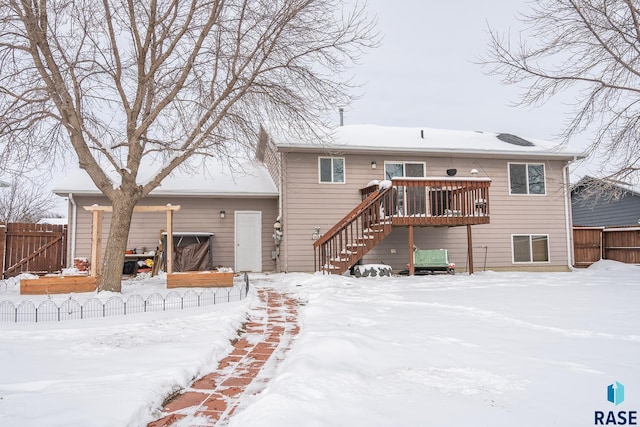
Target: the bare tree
(591, 47)
(129, 83)
(26, 201)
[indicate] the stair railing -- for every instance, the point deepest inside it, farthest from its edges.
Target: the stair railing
(353, 236)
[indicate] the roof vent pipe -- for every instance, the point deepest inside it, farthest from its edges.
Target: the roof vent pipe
(422, 133)
(341, 111)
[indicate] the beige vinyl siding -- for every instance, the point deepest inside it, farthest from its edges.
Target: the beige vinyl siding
(510, 214)
(309, 204)
(195, 215)
(272, 162)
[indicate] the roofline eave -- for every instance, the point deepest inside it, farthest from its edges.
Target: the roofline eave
(175, 193)
(288, 148)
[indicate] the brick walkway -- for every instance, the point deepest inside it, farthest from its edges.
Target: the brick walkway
(216, 396)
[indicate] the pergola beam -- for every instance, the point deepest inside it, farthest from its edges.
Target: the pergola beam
(96, 235)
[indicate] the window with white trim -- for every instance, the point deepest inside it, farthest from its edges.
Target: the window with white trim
(530, 248)
(527, 178)
(331, 170)
(404, 169)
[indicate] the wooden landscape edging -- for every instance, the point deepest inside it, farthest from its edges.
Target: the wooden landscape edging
(200, 279)
(58, 285)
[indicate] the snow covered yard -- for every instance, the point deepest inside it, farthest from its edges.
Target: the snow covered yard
(500, 349)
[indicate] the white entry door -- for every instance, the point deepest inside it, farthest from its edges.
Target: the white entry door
(248, 241)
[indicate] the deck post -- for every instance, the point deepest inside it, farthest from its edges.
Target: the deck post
(469, 250)
(412, 268)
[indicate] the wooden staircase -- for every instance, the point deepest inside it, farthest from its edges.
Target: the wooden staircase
(406, 202)
(356, 234)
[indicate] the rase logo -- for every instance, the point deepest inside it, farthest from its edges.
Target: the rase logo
(615, 395)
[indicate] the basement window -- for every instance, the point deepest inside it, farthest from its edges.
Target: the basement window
(530, 248)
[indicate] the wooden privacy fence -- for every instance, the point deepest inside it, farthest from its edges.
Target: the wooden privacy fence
(591, 244)
(33, 248)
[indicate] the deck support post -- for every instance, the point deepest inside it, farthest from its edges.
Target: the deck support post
(469, 250)
(412, 268)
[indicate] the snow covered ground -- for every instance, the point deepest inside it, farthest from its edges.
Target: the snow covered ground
(499, 349)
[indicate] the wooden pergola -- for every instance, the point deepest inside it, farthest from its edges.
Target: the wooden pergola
(66, 284)
(96, 234)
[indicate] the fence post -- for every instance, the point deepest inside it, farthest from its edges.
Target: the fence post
(3, 244)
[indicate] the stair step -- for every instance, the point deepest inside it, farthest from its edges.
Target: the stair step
(342, 255)
(355, 245)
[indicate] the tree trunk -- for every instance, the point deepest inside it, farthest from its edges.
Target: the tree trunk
(110, 278)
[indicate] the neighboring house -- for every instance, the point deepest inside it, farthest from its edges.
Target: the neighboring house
(239, 208)
(4, 184)
(511, 194)
(592, 210)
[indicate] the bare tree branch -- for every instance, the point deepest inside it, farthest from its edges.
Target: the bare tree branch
(128, 84)
(25, 201)
(593, 48)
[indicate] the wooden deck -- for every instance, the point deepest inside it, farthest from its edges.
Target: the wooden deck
(406, 202)
(432, 202)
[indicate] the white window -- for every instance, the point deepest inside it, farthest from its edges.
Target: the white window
(403, 169)
(410, 200)
(331, 170)
(530, 248)
(527, 178)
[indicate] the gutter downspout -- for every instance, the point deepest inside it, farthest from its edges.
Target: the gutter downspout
(284, 220)
(567, 213)
(74, 217)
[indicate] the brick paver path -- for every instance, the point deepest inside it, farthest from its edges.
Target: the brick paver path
(214, 397)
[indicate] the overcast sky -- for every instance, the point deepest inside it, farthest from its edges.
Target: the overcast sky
(424, 73)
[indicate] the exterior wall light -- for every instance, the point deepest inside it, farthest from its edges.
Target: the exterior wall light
(223, 214)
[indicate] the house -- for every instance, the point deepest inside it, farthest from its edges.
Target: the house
(496, 199)
(4, 184)
(591, 210)
(236, 209)
(374, 194)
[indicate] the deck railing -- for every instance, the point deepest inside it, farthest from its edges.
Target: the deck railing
(436, 201)
(356, 234)
(422, 202)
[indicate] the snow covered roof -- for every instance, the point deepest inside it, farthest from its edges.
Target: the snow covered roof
(248, 180)
(54, 221)
(4, 184)
(371, 138)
